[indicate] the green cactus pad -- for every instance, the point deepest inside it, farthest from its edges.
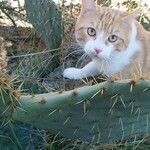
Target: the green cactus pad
(104, 112)
(47, 20)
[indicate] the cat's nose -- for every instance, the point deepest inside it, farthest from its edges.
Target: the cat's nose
(97, 50)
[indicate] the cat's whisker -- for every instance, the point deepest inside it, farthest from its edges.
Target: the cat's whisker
(107, 60)
(74, 52)
(81, 58)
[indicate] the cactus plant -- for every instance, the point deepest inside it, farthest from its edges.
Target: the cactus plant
(107, 111)
(47, 21)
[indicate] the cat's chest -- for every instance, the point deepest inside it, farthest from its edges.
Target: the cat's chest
(116, 66)
(113, 66)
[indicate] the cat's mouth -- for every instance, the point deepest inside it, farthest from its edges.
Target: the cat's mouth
(97, 50)
(100, 55)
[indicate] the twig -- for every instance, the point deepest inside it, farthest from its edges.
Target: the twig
(32, 54)
(5, 12)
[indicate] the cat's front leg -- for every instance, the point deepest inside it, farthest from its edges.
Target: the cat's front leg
(76, 73)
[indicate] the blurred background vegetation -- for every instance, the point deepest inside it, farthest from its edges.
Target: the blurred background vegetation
(38, 64)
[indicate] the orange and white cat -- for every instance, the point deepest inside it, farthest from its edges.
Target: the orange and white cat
(114, 40)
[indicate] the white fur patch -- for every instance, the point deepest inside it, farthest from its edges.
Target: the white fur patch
(99, 42)
(88, 70)
(72, 73)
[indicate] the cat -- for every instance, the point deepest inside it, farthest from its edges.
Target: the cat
(116, 42)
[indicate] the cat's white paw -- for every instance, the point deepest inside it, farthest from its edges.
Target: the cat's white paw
(72, 73)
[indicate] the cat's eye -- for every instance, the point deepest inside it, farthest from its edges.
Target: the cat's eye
(91, 31)
(112, 38)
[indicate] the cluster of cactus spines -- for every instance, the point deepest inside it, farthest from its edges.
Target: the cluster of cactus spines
(9, 101)
(108, 111)
(3, 58)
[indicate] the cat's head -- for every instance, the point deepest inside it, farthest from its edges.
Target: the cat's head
(103, 31)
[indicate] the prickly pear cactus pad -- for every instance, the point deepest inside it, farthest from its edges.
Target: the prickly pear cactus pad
(46, 19)
(108, 111)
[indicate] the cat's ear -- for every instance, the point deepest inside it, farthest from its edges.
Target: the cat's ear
(132, 16)
(87, 5)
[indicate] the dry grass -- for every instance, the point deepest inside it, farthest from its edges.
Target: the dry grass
(3, 58)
